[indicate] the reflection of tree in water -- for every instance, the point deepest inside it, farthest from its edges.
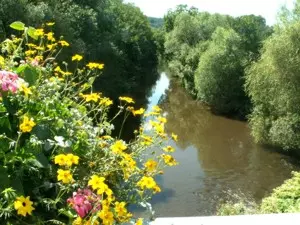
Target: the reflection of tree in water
(226, 151)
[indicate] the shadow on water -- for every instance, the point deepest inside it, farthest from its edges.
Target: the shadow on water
(215, 155)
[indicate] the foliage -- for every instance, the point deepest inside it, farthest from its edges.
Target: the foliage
(219, 76)
(283, 199)
(231, 209)
(101, 30)
(197, 53)
(59, 162)
(273, 86)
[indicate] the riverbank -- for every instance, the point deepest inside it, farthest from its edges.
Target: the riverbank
(217, 156)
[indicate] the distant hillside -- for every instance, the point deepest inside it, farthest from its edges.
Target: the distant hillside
(156, 22)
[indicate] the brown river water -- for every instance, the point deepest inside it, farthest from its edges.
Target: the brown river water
(217, 158)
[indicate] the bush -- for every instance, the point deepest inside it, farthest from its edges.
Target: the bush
(219, 77)
(283, 199)
(237, 204)
(273, 86)
(59, 164)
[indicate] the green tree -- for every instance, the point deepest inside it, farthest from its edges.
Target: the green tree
(273, 83)
(108, 31)
(219, 77)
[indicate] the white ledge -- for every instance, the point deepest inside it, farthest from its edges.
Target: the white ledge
(269, 219)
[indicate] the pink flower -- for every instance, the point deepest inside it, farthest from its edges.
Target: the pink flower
(83, 201)
(9, 81)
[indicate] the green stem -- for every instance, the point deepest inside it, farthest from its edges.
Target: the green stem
(124, 120)
(17, 142)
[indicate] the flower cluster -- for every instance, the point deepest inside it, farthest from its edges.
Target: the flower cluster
(57, 140)
(68, 160)
(84, 201)
(9, 81)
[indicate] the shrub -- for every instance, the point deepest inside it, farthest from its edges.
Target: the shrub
(273, 86)
(219, 77)
(285, 198)
(59, 164)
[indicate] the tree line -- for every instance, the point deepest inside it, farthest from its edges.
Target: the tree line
(107, 31)
(240, 67)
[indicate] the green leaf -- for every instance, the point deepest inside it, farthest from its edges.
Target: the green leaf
(4, 178)
(31, 32)
(42, 131)
(31, 75)
(21, 68)
(4, 124)
(41, 161)
(17, 25)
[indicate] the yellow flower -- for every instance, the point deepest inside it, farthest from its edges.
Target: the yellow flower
(106, 137)
(156, 189)
(162, 119)
(1, 61)
(151, 165)
(60, 159)
(27, 125)
(93, 65)
(102, 188)
(96, 182)
(50, 36)
(138, 112)
(91, 97)
(106, 216)
(120, 208)
(71, 159)
(30, 52)
(106, 101)
(159, 127)
(50, 24)
(77, 57)
(118, 147)
(169, 160)
(50, 47)
(156, 109)
(23, 205)
(174, 137)
(39, 58)
(139, 221)
(25, 89)
(147, 140)
(128, 165)
(58, 69)
(31, 45)
(65, 176)
(169, 149)
(126, 99)
(64, 43)
(146, 182)
(39, 32)
(77, 221)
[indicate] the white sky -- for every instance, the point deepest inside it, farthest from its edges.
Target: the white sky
(266, 8)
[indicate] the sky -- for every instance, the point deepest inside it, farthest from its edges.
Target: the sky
(266, 8)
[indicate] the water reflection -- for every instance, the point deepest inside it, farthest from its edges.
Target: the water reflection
(216, 154)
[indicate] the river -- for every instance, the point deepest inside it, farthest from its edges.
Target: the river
(217, 158)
